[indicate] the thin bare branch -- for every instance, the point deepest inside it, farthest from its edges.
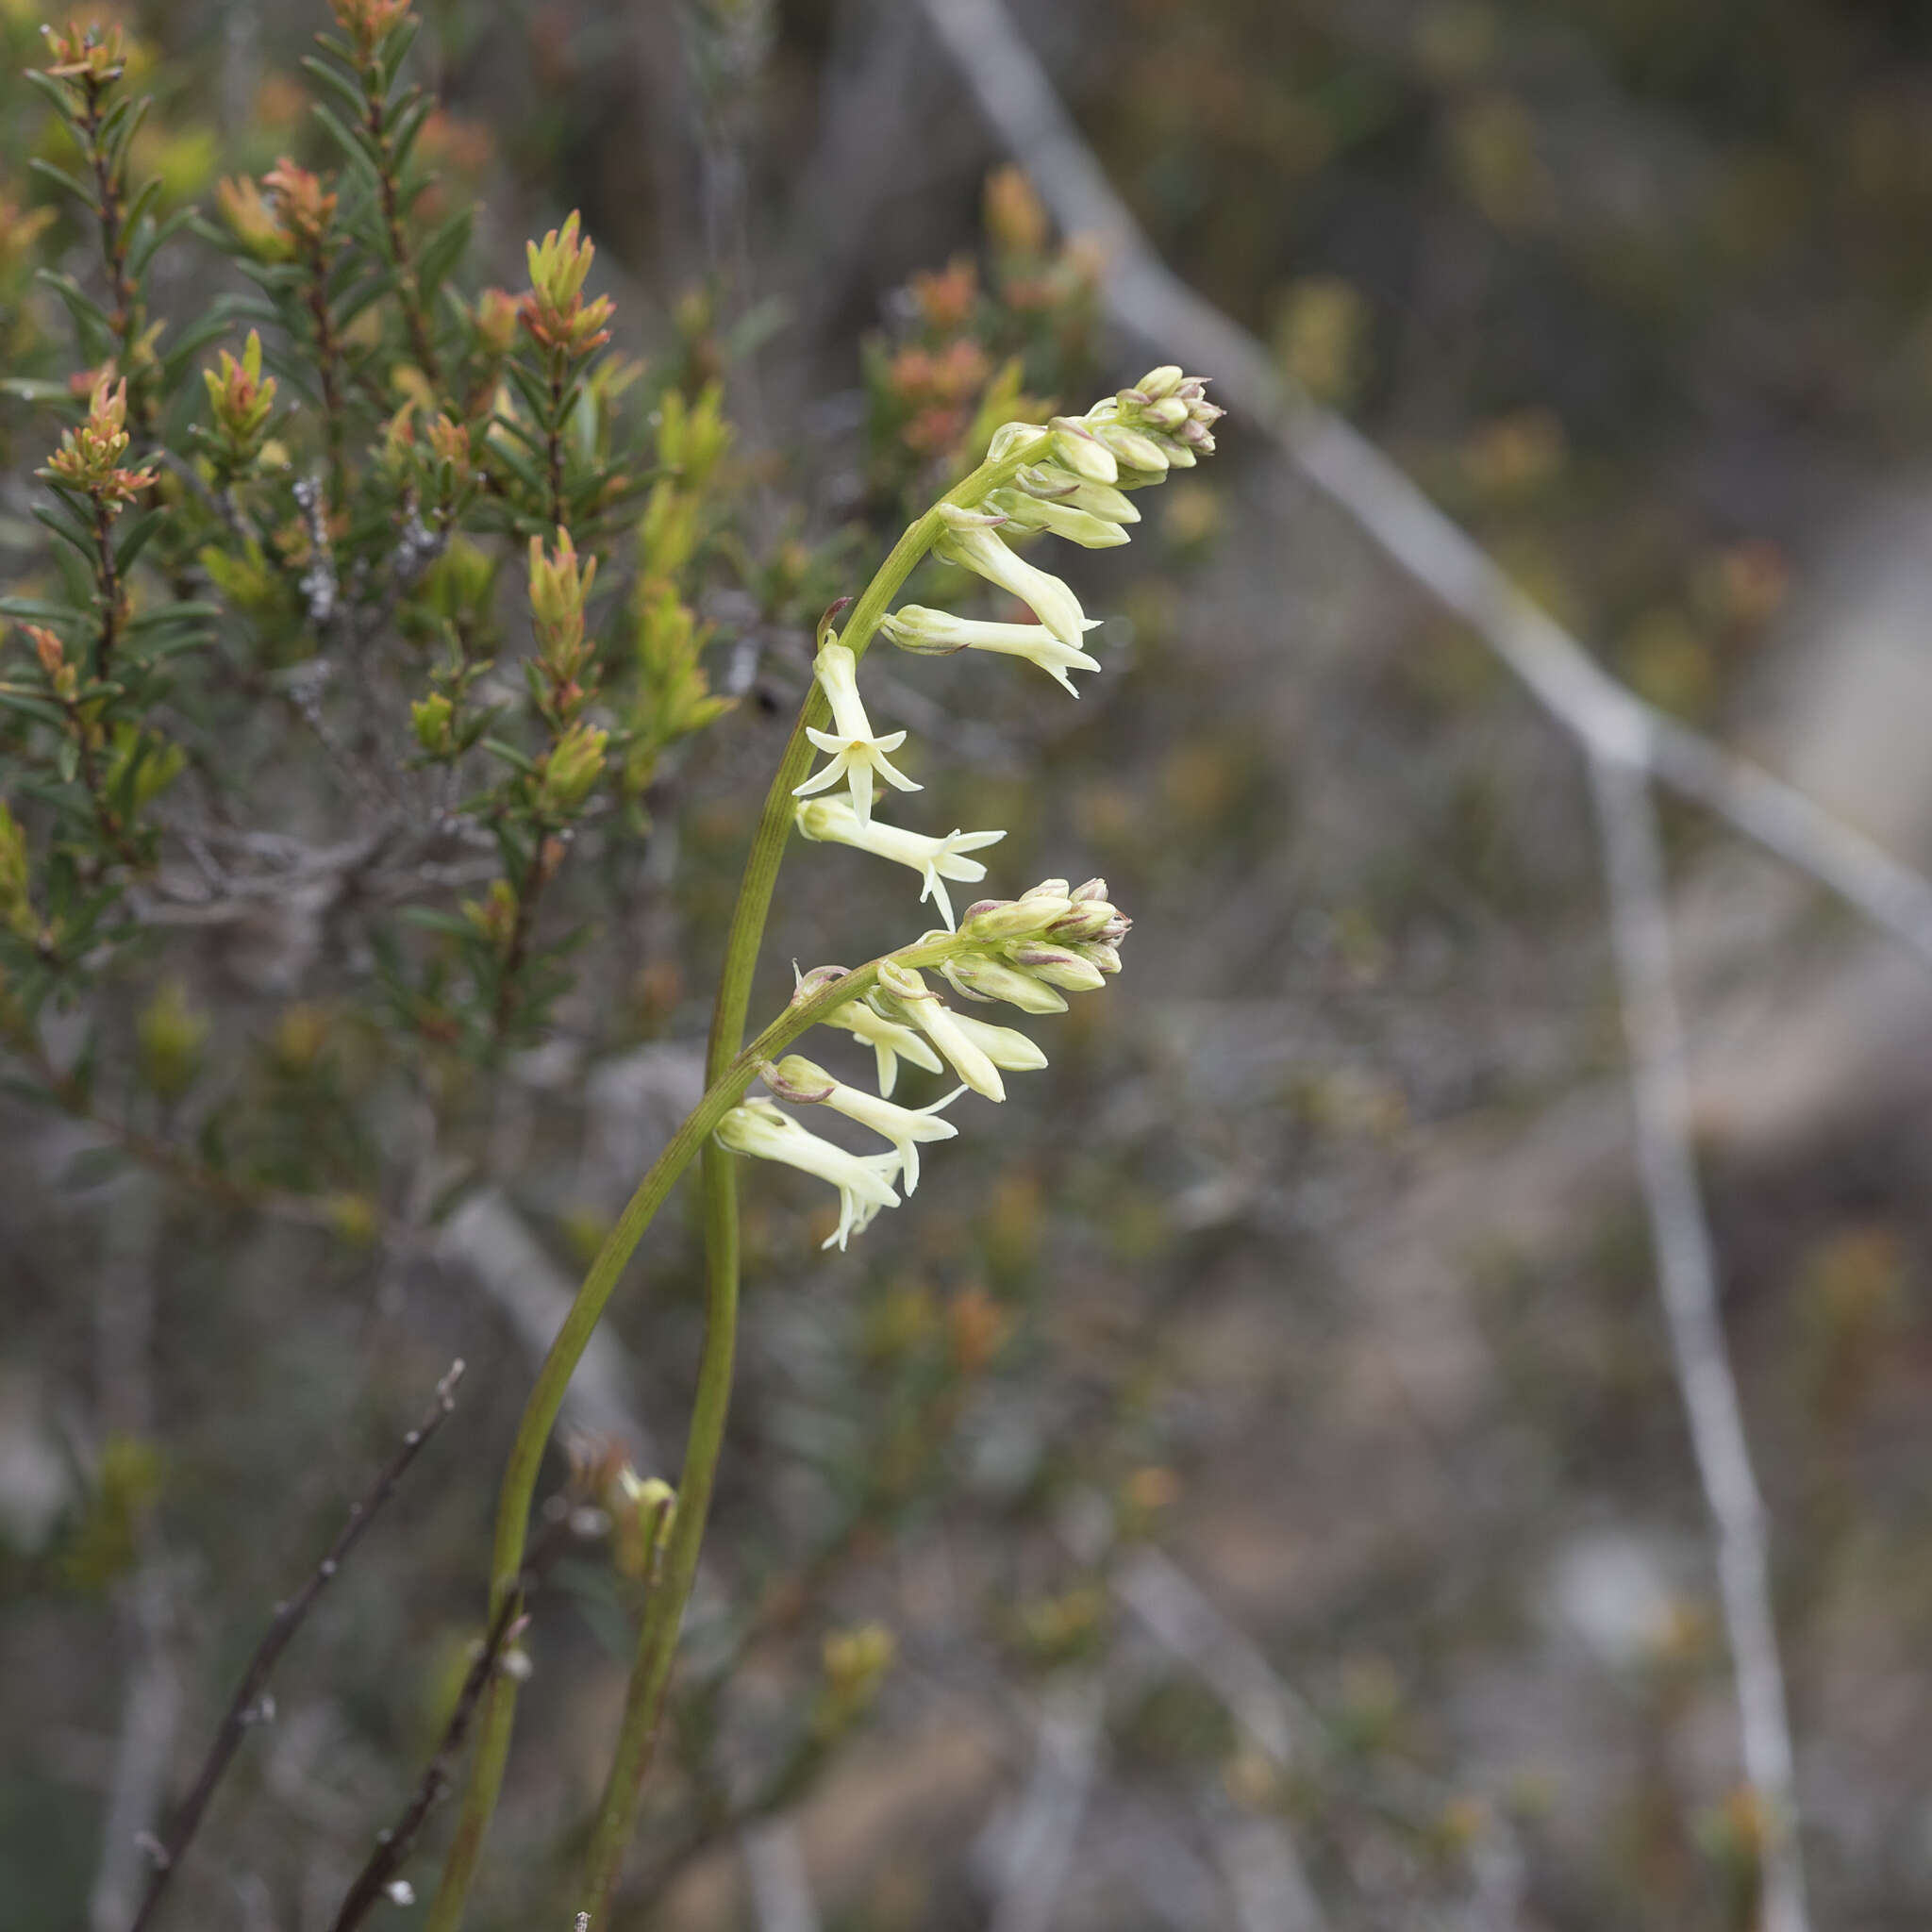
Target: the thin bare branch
(250, 1706)
(1687, 1273)
(1149, 301)
(379, 1878)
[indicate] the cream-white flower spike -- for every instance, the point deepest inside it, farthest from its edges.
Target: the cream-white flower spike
(971, 540)
(864, 1181)
(834, 821)
(938, 633)
(798, 1079)
(856, 750)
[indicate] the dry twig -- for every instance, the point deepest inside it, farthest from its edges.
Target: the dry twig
(378, 1879)
(249, 1706)
(1686, 1275)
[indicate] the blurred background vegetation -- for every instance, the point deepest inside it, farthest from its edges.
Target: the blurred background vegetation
(1308, 1295)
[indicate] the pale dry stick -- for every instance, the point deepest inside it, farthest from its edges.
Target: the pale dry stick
(1686, 1274)
(775, 1877)
(1270, 1889)
(1039, 1850)
(249, 1706)
(150, 1611)
(1149, 301)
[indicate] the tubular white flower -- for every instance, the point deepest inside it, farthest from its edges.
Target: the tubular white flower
(1075, 445)
(968, 541)
(904, 994)
(799, 1080)
(855, 750)
(1005, 1046)
(833, 819)
(919, 629)
(864, 1181)
(889, 1039)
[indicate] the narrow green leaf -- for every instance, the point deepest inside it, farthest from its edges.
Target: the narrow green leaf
(338, 83)
(71, 184)
(26, 705)
(444, 249)
(83, 541)
(133, 539)
(355, 146)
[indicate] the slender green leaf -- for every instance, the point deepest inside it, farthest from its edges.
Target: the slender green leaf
(72, 184)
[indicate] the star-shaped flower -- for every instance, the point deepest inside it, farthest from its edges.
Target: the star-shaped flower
(834, 821)
(855, 750)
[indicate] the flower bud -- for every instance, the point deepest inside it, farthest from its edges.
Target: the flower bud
(1009, 919)
(306, 209)
(496, 321)
(555, 312)
(1082, 921)
(1160, 383)
(816, 982)
(251, 220)
(1079, 447)
(654, 1507)
(981, 976)
(429, 719)
(1059, 968)
(1131, 447)
(576, 762)
(16, 902)
(798, 1079)
(171, 1036)
(855, 1663)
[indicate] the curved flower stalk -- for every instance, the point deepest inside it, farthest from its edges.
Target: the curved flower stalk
(836, 822)
(1069, 480)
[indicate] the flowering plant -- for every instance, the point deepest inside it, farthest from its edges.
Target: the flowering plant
(1068, 478)
(437, 568)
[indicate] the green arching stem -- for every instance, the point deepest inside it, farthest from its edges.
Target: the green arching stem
(546, 1399)
(665, 1613)
(728, 1072)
